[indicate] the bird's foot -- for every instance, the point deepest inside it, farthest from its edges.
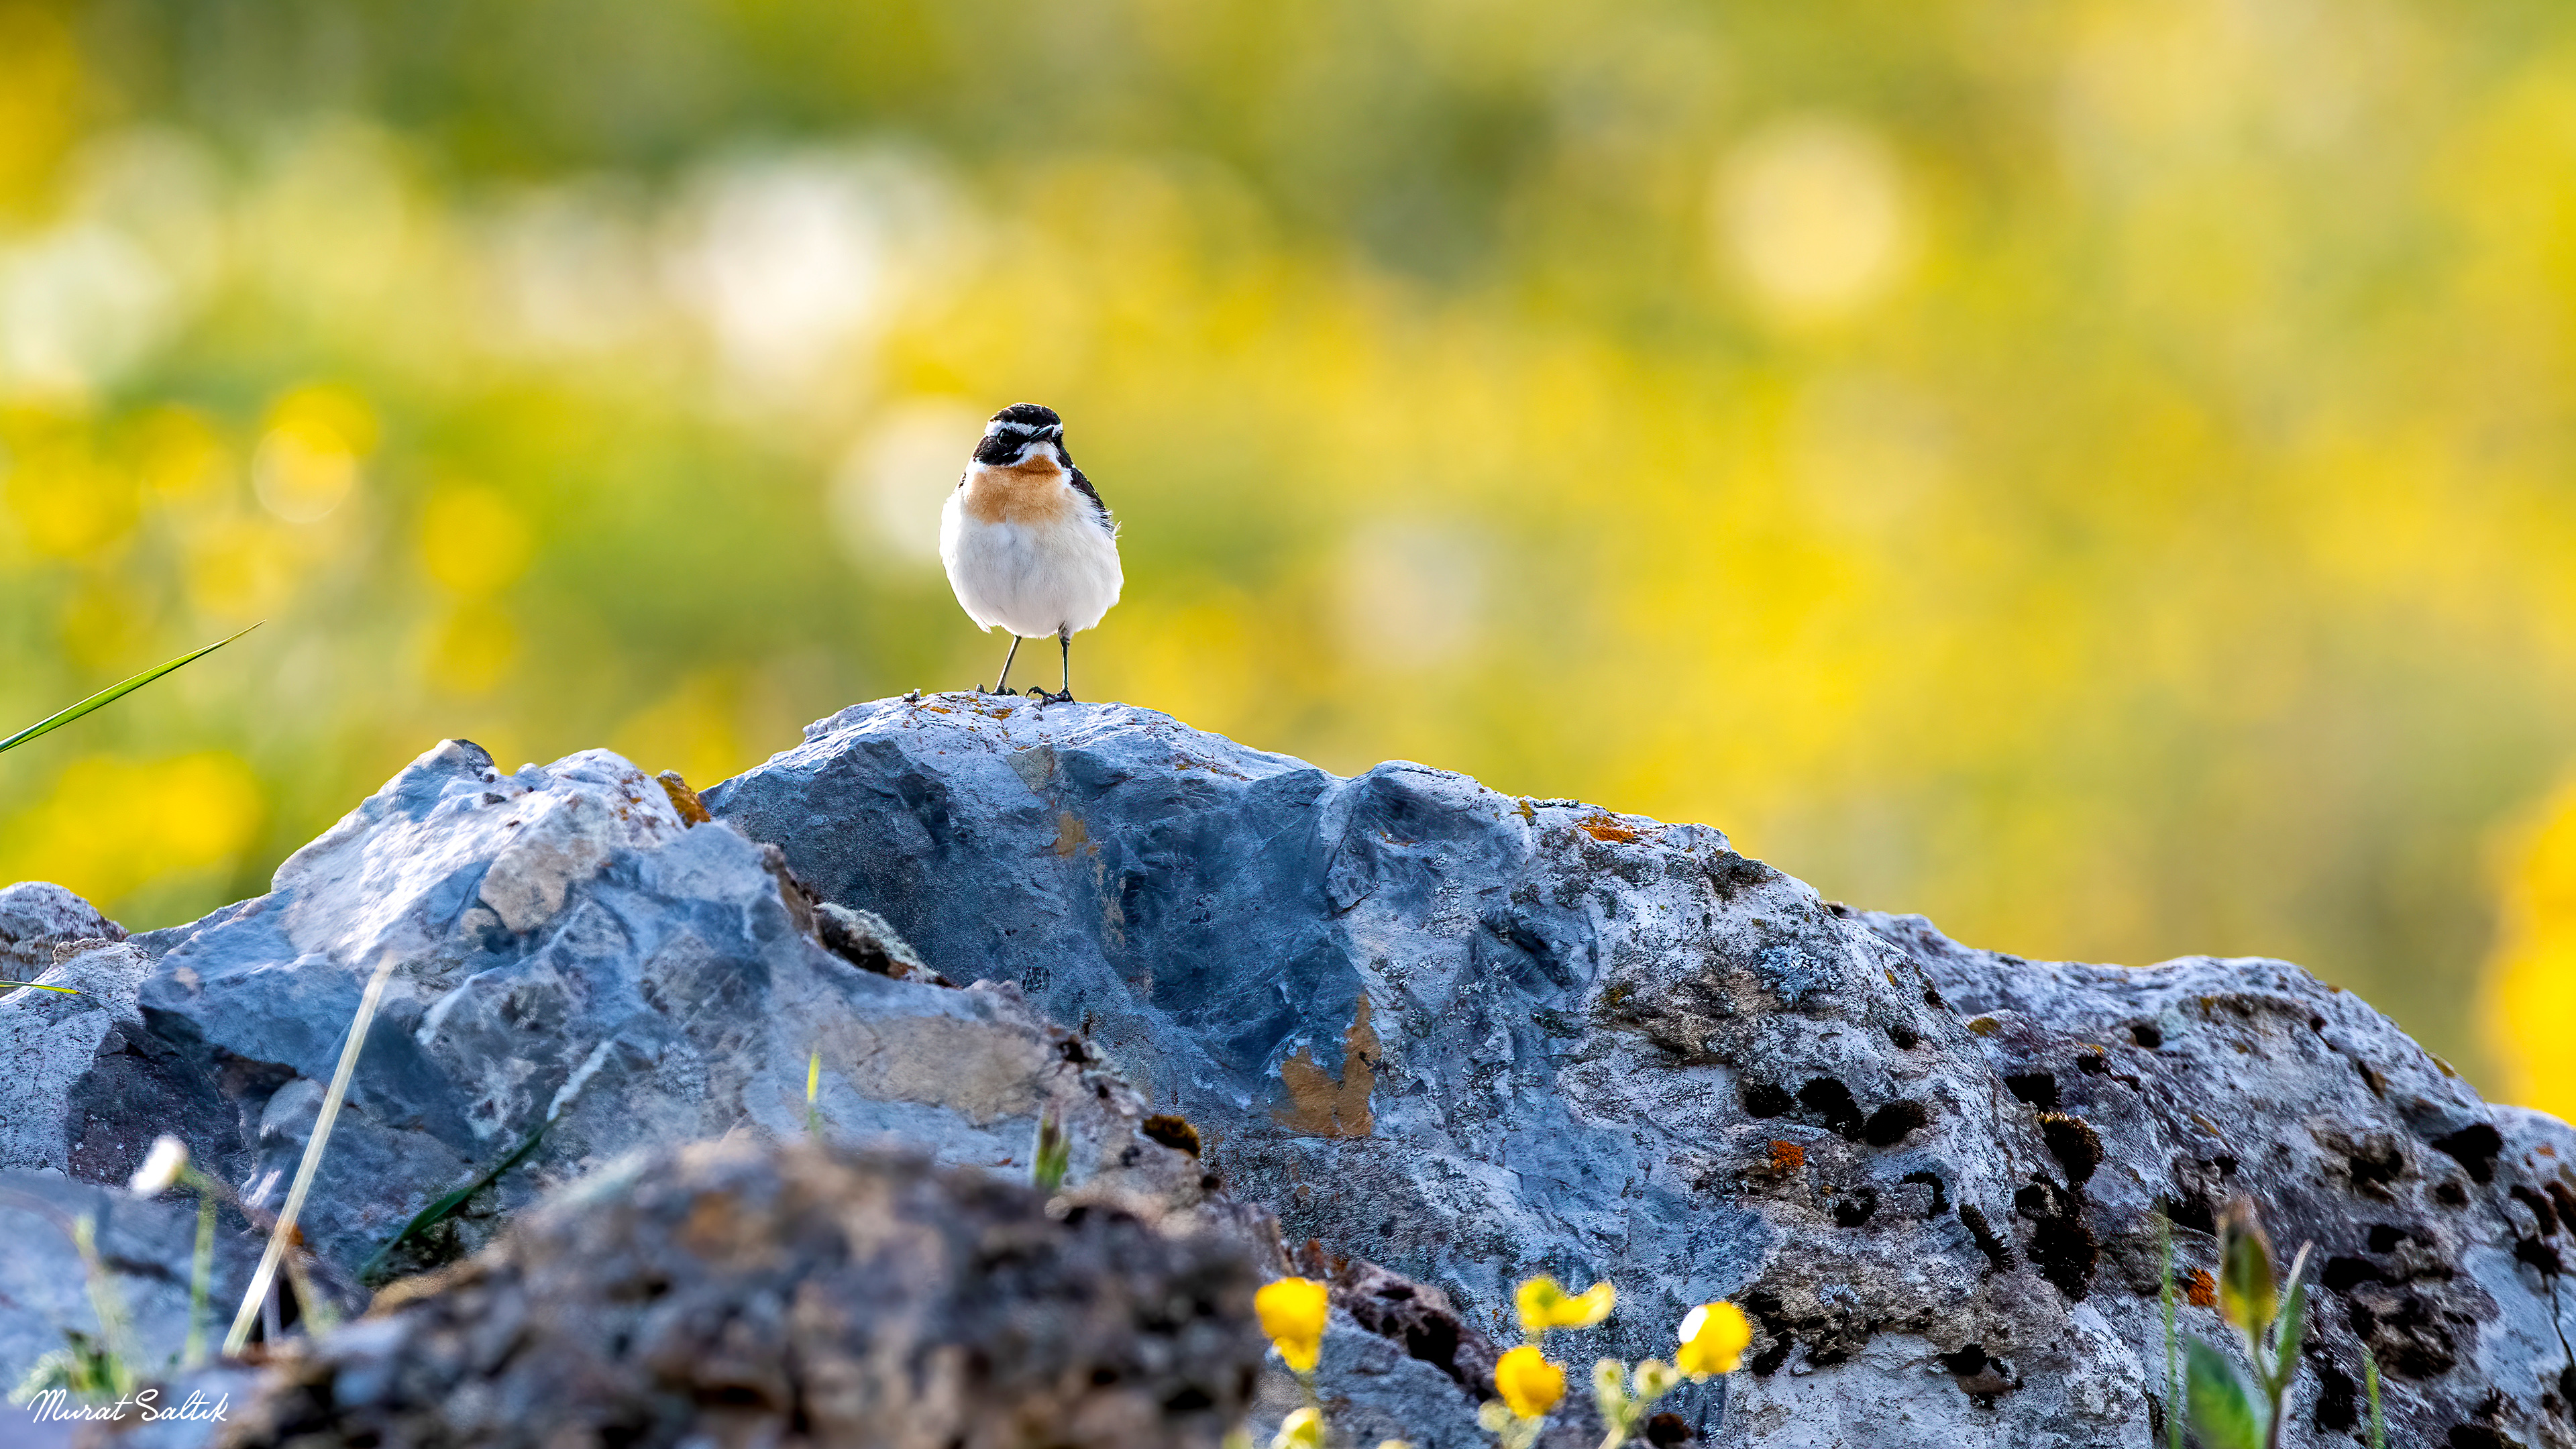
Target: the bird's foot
(1042, 697)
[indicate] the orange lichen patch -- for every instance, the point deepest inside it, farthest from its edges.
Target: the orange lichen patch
(1605, 828)
(693, 811)
(1787, 1157)
(1070, 834)
(1034, 492)
(1320, 1106)
(2200, 1290)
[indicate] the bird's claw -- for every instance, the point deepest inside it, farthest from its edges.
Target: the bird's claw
(1043, 697)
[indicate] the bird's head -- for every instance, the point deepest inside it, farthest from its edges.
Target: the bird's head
(1019, 432)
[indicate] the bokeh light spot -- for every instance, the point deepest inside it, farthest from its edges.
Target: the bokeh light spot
(308, 459)
(473, 541)
(1812, 215)
(1413, 595)
(2531, 991)
(891, 483)
(40, 94)
(179, 454)
(69, 503)
(111, 826)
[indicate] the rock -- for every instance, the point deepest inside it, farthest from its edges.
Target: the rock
(35, 917)
(732, 1293)
(2436, 1221)
(1463, 1035)
(572, 966)
(48, 1038)
(148, 1247)
(1472, 1036)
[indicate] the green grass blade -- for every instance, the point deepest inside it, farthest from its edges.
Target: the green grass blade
(439, 1211)
(40, 986)
(109, 695)
(2294, 1325)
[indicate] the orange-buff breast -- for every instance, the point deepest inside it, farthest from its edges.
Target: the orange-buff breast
(1035, 492)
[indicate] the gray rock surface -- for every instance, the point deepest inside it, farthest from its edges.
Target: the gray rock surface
(731, 1293)
(568, 957)
(35, 917)
(2441, 1225)
(48, 1039)
(1465, 1035)
(1473, 1036)
(147, 1247)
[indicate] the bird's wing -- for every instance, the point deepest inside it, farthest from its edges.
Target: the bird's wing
(1082, 485)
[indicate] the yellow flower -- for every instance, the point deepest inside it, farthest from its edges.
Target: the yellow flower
(1303, 1428)
(1528, 1383)
(1544, 1304)
(1292, 1312)
(1714, 1337)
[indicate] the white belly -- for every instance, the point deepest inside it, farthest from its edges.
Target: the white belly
(1033, 579)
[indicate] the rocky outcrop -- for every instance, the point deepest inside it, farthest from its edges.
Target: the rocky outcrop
(577, 973)
(1472, 1036)
(1465, 1035)
(730, 1293)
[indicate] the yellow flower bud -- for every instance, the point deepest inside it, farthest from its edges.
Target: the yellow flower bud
(1655, 1378)
(1292, 1312)
(1714, 1337)
(1528, 1382)
(1302, 1429)
(1607, 1377)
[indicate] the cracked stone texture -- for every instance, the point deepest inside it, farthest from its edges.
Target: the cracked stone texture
(1472, 1036)
(741, 1294)
(567, 956)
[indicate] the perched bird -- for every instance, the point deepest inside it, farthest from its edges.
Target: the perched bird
(1028, 544)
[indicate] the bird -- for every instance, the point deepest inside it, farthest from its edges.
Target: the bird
(1028, 544)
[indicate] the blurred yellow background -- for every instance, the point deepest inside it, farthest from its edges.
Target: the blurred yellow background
(2101, 474)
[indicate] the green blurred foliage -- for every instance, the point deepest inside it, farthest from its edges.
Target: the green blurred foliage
(2096, 473)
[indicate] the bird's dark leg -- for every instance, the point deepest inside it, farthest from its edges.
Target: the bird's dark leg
(1003, 684)
(1064, 642)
